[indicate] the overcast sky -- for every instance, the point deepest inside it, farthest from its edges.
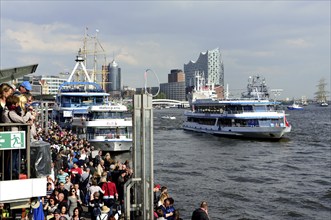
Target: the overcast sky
(287, 42)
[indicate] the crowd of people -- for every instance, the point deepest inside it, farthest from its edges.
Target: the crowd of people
(78, 178)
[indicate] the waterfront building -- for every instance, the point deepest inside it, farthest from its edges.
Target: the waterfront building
(175, 88)
(176, 75)
(114, 81)
(50, 84)
(210, 64)
(43, 85)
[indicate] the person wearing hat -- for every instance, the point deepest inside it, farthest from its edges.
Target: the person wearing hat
(24, 88)
(104, 213)
(37, 209)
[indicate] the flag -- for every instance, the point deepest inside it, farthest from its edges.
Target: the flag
(38, 213)
(286, 122)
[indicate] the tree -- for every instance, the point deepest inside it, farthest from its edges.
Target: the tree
(161, 95)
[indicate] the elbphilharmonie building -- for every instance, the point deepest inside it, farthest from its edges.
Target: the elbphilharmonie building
(210, 64)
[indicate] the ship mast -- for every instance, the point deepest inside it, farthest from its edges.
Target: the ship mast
(79, 67)
(95, 52)
(320, 95)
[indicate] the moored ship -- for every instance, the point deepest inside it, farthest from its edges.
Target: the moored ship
(75, 97)
(254, 116)
(107, 127)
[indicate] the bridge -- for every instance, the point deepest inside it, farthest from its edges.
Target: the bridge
(170, 103)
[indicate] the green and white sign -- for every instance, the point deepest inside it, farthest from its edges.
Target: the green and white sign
(10, 140)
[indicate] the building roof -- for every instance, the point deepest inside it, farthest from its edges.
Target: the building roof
(16, 72)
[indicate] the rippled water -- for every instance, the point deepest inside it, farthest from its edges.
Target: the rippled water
(247, 179)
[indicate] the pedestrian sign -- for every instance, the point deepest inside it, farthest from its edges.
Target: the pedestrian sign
(10, 140)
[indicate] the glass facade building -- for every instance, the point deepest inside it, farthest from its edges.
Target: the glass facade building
(114, 82)
(210, 64)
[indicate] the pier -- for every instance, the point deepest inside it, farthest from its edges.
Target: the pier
(31, 182)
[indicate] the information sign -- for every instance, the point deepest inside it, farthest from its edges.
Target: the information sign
(67, 114)
(10, 140)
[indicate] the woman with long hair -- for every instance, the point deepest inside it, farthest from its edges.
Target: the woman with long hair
(50, 206)
(5, 91)
(64, 212)
(73, 201)
(76, 214)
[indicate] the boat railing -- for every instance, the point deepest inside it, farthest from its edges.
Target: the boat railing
(101, 136)
(227, 112)
(101, 117)
(251, 125)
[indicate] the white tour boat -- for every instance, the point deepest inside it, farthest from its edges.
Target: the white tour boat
(254, 116)
(74, 97)
(107, 127)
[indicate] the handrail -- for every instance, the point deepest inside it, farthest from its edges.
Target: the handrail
(6, 155)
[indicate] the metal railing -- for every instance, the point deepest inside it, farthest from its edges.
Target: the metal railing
(14, 159)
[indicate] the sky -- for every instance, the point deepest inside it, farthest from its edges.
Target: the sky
(287, 42)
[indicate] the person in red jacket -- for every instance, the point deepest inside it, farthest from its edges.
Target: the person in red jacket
(110, 194)
(76, 173)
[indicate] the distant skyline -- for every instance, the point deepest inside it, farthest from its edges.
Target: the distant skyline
(287, 42)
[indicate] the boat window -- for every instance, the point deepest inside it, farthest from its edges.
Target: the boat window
(271, 108)
(252, 122)
(99, 100)
(224, 122)
(75, 100)
(271, 123)
(248, 108)
(105, 115)
(109, 132)
(260, 108)
(65, 101)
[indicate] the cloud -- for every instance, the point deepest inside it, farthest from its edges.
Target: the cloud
(299, 43)
(279, 39)
(33, 38)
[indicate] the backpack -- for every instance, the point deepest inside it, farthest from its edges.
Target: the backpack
(83, 184)
(96, 211)
(96, 160)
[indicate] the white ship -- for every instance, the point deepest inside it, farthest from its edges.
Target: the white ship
(321, 94)
(107, 127)
(254, 116)
(75, 97)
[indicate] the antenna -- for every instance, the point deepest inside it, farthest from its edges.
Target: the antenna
(276, 92)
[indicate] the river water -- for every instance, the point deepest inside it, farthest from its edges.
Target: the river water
(247, 179)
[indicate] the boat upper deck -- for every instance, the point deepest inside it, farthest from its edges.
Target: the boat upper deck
(243, 102)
